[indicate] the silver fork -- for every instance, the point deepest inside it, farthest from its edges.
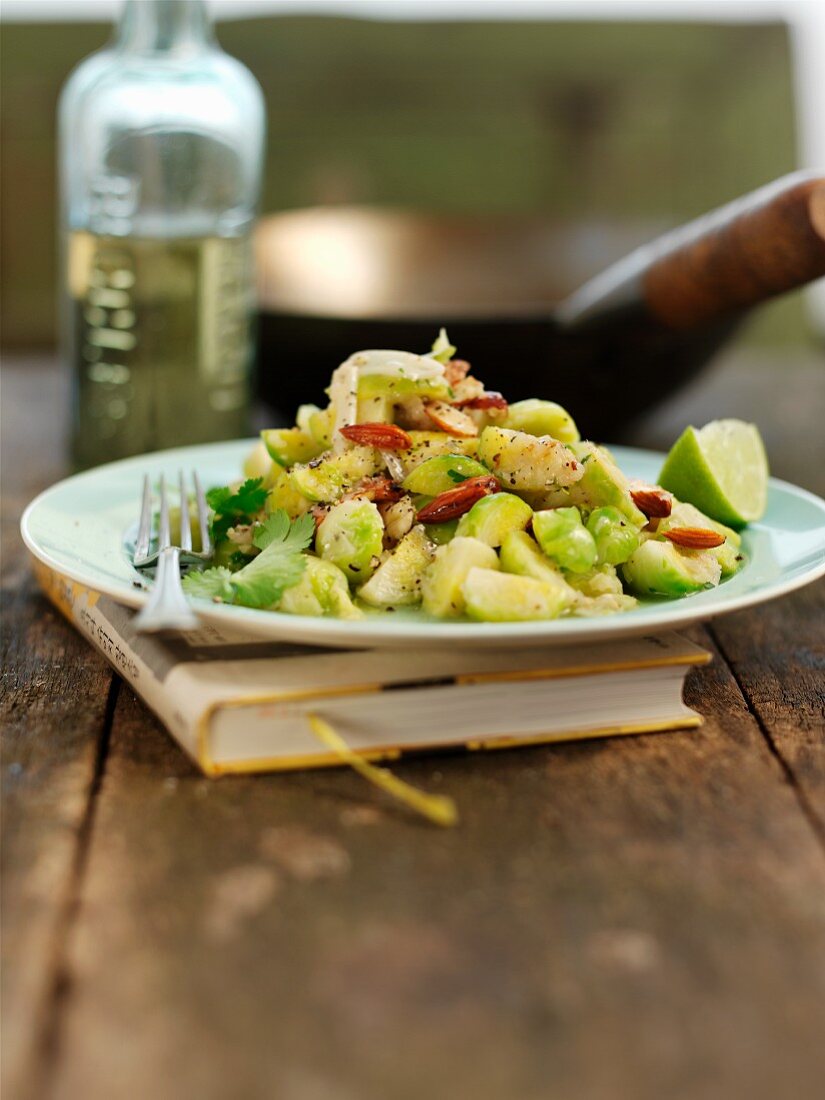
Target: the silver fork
(167, 607)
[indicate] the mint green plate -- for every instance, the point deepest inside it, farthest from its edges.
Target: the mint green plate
(79, 528)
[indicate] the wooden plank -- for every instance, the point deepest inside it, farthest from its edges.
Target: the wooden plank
(52, 713)
(777, 654)
(640, 917)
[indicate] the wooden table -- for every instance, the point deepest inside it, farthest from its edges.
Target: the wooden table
(637, 918)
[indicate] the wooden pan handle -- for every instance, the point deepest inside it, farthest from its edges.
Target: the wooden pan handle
(753, 249)
(764, 244)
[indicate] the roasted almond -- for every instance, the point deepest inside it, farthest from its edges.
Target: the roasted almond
(656, 503)
(694, 538)
(450, 419)
(455, 502)
(388, 437)
(484, 400)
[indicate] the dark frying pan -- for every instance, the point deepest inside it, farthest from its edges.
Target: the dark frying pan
(339, 279)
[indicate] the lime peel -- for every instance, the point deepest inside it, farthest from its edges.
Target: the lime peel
(721, 469)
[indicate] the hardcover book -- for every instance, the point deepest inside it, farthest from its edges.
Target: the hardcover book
(236, 704)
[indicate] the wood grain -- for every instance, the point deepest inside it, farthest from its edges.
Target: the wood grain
(778, 658)
(53, 717)
(636, 918)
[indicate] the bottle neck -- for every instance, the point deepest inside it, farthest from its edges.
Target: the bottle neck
(172, 28)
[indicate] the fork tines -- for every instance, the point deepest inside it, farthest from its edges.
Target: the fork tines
(143, 556)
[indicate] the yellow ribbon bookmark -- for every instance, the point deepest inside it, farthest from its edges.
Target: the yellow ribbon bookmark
(438, 808)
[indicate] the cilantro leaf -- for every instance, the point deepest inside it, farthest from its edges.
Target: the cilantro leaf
(455, 475)
(262, 581)
(234, 507)
(277, 528)
(210, 584)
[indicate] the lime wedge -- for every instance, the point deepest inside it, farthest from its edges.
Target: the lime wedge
(721, 469)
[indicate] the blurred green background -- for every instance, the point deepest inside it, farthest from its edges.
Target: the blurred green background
(623, 122)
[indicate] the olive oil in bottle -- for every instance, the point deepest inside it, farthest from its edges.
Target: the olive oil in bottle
(160, 335)
(161, 146)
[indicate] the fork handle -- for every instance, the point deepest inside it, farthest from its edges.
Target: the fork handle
(167, 607)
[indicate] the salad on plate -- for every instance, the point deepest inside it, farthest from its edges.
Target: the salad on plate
(417, 488)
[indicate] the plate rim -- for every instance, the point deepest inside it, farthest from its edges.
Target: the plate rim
(378, 632)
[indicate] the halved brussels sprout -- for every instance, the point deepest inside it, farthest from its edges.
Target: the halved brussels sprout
(441, 588)
(283, 494)
(599, 592)
(616, 538)
(322, 590)
(686, 515)
(427, 445)
(563, 538)
(287, 446)
(258, 462)
(437, 475)
(538, 417)
(496, 597)
(521, 555)
(492, 517)
(658, 568)
(527, 462)
(320, 425)
(397, 580)
(603, 483)
(351, 536)
(327, 478)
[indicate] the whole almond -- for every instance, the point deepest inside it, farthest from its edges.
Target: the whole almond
(455, 502)
(388, 437)
(694, 538)
(654, 502)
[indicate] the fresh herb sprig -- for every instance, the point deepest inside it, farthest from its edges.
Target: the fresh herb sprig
(233, 507)
(262, 582)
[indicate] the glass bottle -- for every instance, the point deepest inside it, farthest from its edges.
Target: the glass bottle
(161, 140)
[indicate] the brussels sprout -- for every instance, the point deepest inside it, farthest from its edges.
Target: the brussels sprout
(397, 580)
(328, 477)
(504, 597)
(564, 539)
(602, 580)
(322, 590)
(686, 515)
(521, 555)
(659, 568)
(492, 517)
(603, 483)
(351, 536)
(441, 533)
(616, 538)
(527, 462)
(599, 592)
(287, 446)
(283, 494)
(303, 417)
(437, 475)
(441, 588)
(320, 425)
(258, 463)
(426, 445)
(538, 417)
